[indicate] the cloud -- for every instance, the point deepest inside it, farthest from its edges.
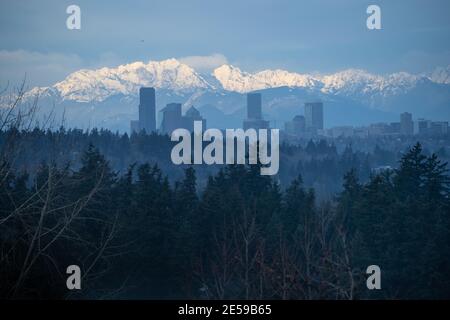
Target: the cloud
(41, 69)
(204, 63)
(45, 69)
(418, 61)
(106, 59)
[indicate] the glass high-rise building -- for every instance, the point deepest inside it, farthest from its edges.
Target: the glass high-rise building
(254, 113)
(147, 109)
(254, 106)
(406, 123)
(314, 116)
(171, 118)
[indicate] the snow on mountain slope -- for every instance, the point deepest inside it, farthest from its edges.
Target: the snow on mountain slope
(441, 75)
(107, 97)
(233, 79)
(348, 82)
(97, 85)
(359, 82)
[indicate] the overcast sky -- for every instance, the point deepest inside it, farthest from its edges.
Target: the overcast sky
(302, 36)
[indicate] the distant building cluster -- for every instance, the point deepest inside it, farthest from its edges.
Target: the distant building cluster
(406, 127)
(312, 125)
(172, 118)
(171, 115)
(309, 125)
(431, 128)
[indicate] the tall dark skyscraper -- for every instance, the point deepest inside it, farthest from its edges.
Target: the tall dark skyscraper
(254, 114)
(406, 123)
(314, 116)
(254, 106)
(147, 107)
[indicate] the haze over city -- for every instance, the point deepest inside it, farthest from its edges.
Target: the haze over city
(205, 150)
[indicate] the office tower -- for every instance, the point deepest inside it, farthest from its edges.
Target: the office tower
(254, 106)
(254, 114)
(255, 124)
(314, 116)
(438, 128)
(380, 128)
(193, 115)
(406, 124)
(147, 107)
(171, 118)
(423, 126)
(296, 127)
(396, 128)
(134, 126)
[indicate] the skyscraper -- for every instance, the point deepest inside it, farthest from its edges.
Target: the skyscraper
(438, 128)
(314, 116)
(147, 107)
(254, 114)
(406, 124)
(171, 118)
(254, 106)
(423, 126)
(134, 126)
(296, 127)
(192, 115)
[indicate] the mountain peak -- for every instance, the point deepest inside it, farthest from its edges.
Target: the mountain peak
(97, 85)
(233, 79)
(116, 90)
(441, 75)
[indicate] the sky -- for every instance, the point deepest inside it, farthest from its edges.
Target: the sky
(303, 36)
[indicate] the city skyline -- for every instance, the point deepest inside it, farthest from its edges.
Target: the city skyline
(308, 125)
(107, 97)
(239, 150)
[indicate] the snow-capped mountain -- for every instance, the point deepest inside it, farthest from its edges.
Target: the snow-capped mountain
(360, 82)
(347, 82)
(233, 79)
(441, 75)
(97, 85)
(109, 95)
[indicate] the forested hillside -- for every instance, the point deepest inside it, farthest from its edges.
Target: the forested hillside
(136, 235)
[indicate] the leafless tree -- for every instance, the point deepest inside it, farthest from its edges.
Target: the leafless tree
(45, 217)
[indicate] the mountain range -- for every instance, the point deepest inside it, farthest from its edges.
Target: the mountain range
(107, 97)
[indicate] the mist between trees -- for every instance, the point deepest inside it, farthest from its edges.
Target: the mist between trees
(148, 232)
